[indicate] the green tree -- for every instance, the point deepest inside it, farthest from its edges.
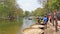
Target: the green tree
(27, 13)
(39, 12)
(8, 8)
(53, 4)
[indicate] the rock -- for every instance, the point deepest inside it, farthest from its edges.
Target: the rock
(37, 26)
(32, 31)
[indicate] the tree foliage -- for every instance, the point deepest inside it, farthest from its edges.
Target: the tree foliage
(39, 12)
(26, 13)
(53, 4)
(49, 6)
(8, 8)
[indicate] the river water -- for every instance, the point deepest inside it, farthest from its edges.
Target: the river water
(27, 23)
(7, 27)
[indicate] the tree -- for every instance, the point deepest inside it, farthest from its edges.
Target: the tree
(27, 13)
(39, 12)
(53, 4)
(8, 8)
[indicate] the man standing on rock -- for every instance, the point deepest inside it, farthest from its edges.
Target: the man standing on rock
(45, 20)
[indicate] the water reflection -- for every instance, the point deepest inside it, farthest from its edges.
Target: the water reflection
(27, 23)
(8, 27)
(10, 30)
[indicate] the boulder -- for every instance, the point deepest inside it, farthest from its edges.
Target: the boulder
(32, 31)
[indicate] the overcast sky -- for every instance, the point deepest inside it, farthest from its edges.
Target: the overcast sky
(29, 5)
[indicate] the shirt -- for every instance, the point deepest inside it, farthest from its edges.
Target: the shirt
(45, 19)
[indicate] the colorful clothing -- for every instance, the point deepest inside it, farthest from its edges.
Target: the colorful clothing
(45, 20)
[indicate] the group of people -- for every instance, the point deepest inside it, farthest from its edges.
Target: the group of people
(49, 18)
(45, 20)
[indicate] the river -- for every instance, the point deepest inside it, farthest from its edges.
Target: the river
(27, 23)
(7, 27)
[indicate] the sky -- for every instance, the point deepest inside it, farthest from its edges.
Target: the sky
(29, 5)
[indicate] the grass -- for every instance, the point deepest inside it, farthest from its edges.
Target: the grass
(10, 27)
